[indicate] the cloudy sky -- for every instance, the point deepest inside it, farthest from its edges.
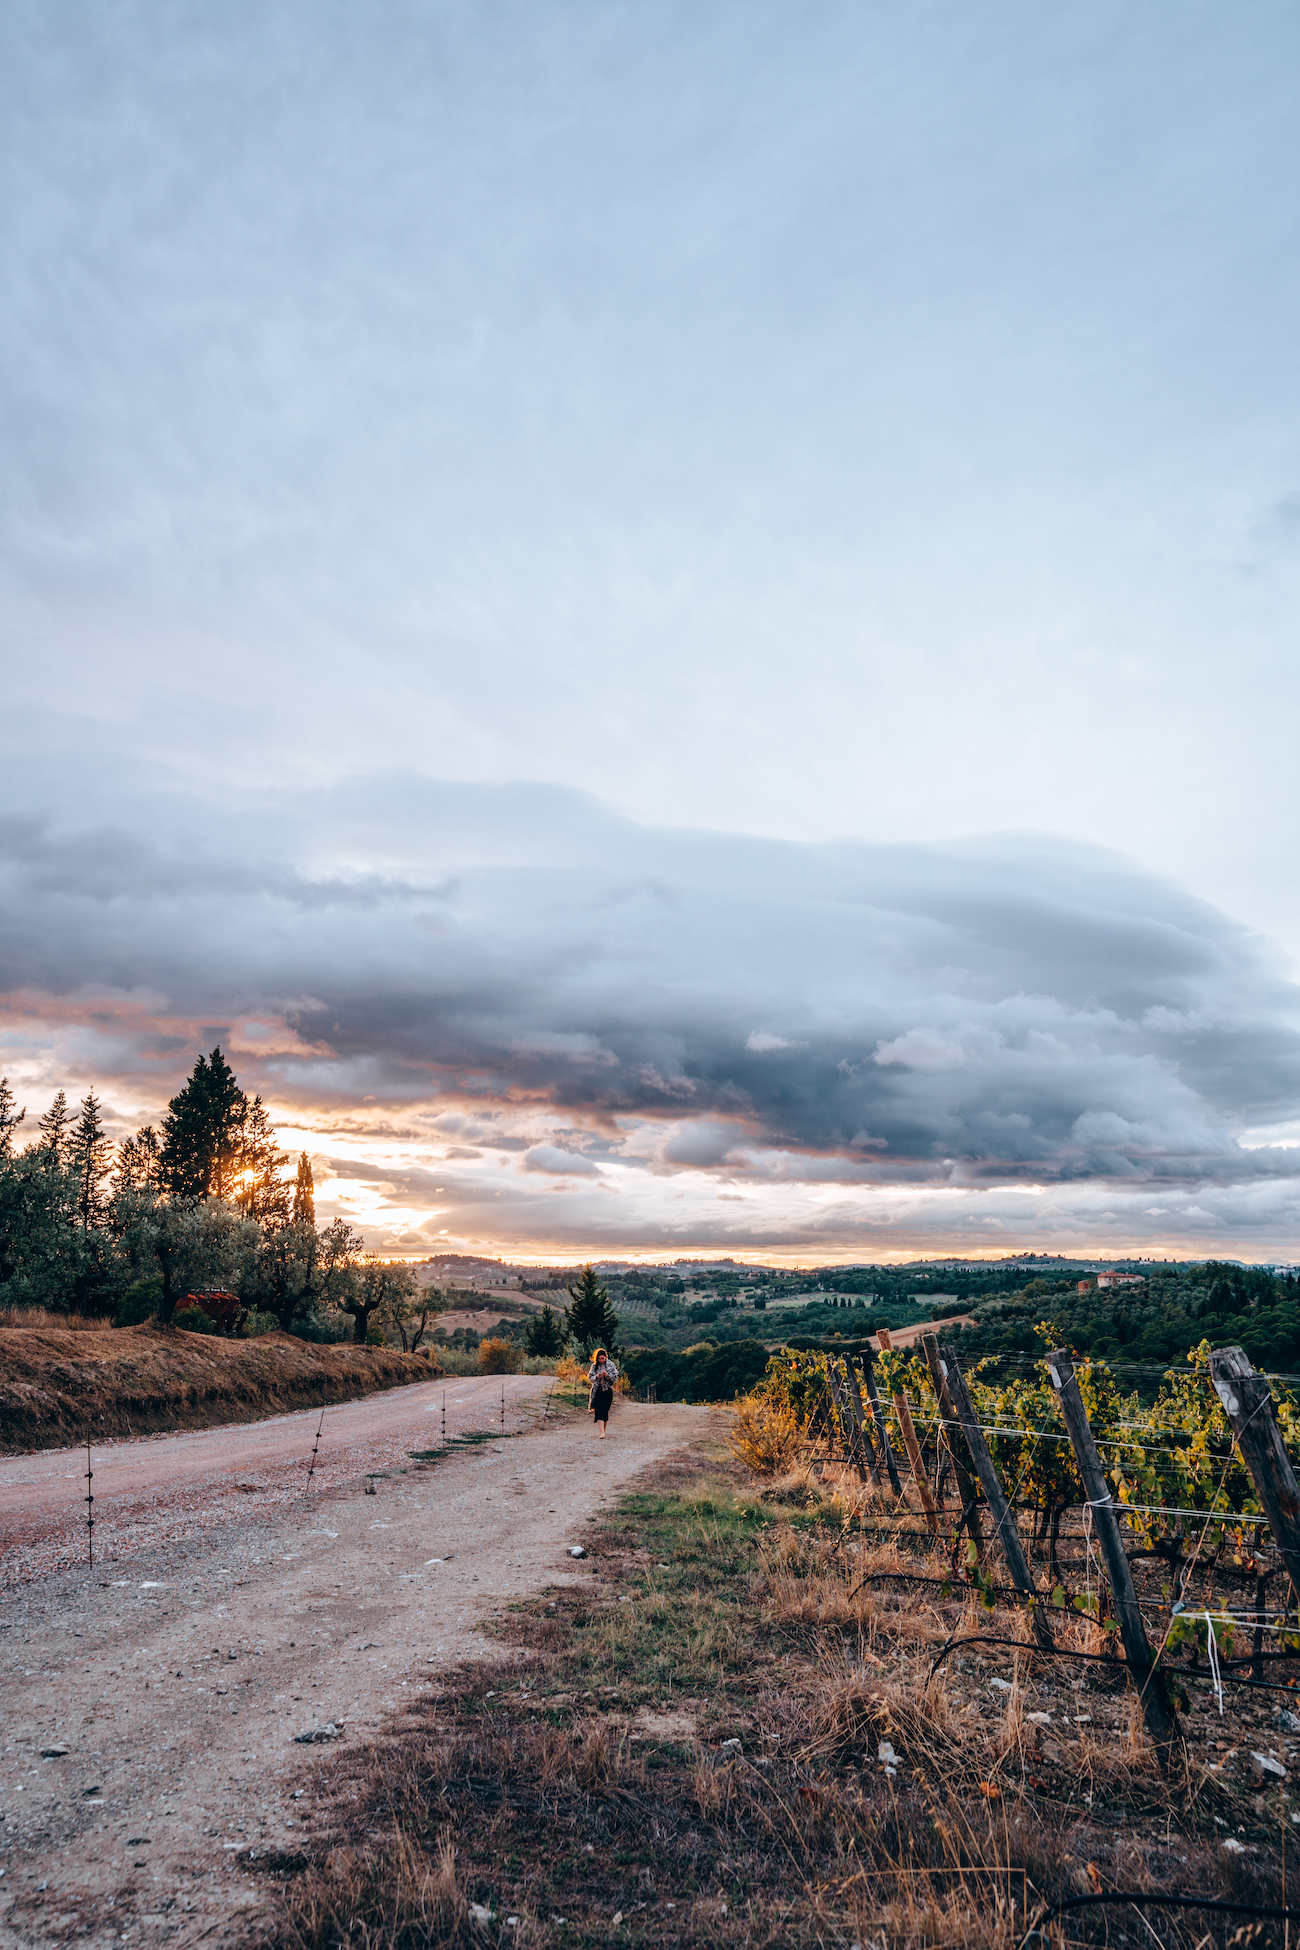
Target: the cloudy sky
(678, 625)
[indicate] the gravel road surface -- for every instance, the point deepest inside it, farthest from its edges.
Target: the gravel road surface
(232, 1608)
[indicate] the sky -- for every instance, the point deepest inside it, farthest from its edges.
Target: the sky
(675, 625)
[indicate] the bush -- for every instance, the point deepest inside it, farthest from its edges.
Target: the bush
(496, 1355)
(140, 1302)
(765, 1435)
(194, 1321)
(456, 1360)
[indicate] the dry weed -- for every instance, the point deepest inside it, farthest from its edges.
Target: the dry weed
(765, 1436)
(47, 1317)
(389, 1899)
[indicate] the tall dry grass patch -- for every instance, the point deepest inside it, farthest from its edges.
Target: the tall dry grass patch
(47, 1317)
(764, 1436)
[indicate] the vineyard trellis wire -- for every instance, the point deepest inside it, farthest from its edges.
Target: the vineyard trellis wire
(1175, 1479)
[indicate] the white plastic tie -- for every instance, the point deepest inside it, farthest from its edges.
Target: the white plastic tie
(1214, 1662)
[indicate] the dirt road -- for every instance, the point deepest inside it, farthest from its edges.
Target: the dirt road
(231, 1610)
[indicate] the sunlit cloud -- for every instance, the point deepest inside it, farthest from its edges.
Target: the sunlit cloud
(1024, 1040)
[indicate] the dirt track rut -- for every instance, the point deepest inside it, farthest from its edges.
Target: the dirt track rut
(337, 1606)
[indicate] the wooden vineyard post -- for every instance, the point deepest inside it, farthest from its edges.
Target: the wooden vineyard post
(882, 1431)
(910, 1443)
(850, 1413)
(1162, 1722)
(965, 1484)
(858, 1413)
(1003, 1515)
(1248, 1403)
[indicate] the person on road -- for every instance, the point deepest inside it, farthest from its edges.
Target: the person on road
(602, 1374)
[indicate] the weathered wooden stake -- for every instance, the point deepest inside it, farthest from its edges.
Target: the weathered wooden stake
(861, 1424)
(966, 1490)
(910, 1443)
(1003, 1515)
(1162, 1721)
(861, 1457)
(882, 1431)
(1248, 1402)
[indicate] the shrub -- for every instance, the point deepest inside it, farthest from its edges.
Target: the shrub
(194, 1321)
(496, 1355)
(456, 1360)
(140, 1302)
(765, 1436)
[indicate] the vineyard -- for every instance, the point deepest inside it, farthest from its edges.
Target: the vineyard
(1051, 1539)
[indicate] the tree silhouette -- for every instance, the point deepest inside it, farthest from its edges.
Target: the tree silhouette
(9, 1119)
(260, 1191)
(53, 1128)
(304, 1194)
(202, 1132)
(544, 1334)
(589, 1320)
(88, 1153)
(139, 1162)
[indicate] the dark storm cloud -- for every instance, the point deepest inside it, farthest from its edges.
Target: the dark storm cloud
(1020, 1008)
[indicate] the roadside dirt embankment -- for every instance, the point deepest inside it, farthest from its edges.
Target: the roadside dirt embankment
(57, 1387)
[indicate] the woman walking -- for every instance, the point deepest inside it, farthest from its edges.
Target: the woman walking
(602, 1374)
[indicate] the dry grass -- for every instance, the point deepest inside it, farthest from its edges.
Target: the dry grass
(729, 1738)
(44, 1317)
(59, 1384)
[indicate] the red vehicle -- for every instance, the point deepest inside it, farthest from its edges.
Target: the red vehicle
(224, 1309)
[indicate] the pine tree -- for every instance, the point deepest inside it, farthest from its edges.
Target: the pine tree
(304, 1194)
(201, 1133)
(262, 1193)
(589, 1320)
(544, 1334)
(9, 1121)
(53, 1128)
(88, 1153)
(139, 1162)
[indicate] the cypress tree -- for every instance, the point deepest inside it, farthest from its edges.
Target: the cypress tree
(589, 1320)
(304, 1194)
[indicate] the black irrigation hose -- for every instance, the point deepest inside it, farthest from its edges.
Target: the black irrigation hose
(1138, 1897)
(1016, 1597)
(1100, 1658)
(1018, 1645)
